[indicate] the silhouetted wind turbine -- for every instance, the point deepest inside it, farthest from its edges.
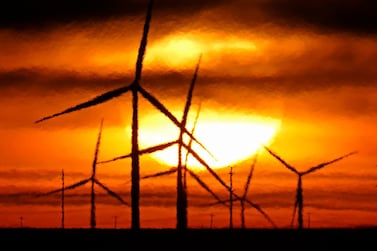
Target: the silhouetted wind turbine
(135, 87)
(243, 199)
(299, 202)
(93, 180)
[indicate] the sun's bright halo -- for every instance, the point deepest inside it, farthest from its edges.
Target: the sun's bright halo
(230, 138)
(181, 49)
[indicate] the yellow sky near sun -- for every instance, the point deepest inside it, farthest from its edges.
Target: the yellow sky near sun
(230, 137)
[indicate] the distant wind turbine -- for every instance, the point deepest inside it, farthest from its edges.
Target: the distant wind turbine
(299, 202)
(243, 199)
(93, 181)
(136, 88)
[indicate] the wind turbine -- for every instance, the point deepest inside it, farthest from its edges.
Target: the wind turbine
(299, 202)
(93, 181)
(135, 88)
(243, 198)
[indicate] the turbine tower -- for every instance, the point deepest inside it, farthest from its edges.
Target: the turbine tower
(62, 198)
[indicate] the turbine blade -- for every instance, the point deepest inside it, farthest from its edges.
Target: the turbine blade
(111, 193)
(205, 186)
(157, 147)
(77, 184)
(143, 151)
(189, 96)
(209, 169)
(95, 101)
(192, 132)
(327, 163)
(114, 159)
(249, 176)
(222, 202)
(143, 42)
(97, 149)
(168, 114)
(281, 160)
(259, 209)
(170, 171)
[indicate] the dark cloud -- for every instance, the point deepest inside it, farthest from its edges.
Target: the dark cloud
(53, 81)
(356, 16)
(23, 14)
(35, 80)
(167, 199)
(54, 175)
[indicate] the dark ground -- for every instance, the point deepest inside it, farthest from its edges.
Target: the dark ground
(194, 239)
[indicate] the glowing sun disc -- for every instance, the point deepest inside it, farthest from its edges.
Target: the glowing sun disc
(230, 138)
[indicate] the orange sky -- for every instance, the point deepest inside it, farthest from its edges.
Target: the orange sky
(317, 80)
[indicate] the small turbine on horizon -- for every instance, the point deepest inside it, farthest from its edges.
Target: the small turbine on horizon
(244, 199)
(299, 201)
(93, 181)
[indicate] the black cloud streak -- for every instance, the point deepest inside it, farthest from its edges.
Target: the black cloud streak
(354, 16)
(38, 14)
(57, 81)
(326, 15)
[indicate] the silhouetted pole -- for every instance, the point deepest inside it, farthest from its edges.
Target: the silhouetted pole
(21, 222)
(62, 198)
(115, 221)
(211, 225)
(231, 198)
(308, 220)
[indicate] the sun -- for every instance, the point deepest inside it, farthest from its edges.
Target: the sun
(230, 138)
